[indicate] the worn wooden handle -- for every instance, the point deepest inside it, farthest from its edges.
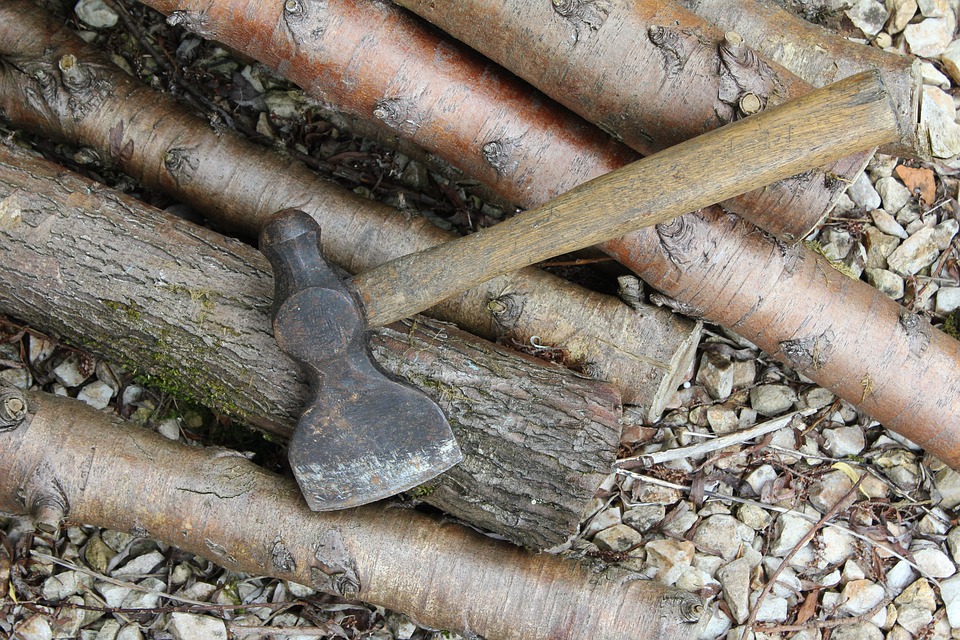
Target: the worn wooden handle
(815, 129)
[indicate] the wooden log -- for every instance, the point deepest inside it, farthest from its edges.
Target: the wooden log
(237, 184)
(191, 309)
(67, 460)
(821, 57)
(422, 86)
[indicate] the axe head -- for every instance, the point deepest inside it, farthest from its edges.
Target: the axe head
(363, 435)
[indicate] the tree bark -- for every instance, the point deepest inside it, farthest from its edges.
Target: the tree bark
(821, 57)
(67, 460)
(644, 352)
(422, 86)
(192, 309)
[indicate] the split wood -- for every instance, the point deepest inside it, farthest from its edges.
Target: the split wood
(76, 462)
(191, 308)
(237, 184)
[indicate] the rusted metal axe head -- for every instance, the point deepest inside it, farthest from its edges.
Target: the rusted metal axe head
(362, 436)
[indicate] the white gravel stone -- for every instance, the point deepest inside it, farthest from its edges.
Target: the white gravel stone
(65, 584)
(772, 399)
(670, 557)
(146, 599)
(918, 594)
(735, 578)
(948, 300)
(935, 563)
(827, 490)
(772, 609)
(932, 76)
(857, 631)
(879, 245)
(790, 528)
(861, 596)
(113, 594)
(645, 516)
(69, 372)
(719, 534)
(96, 14)
(36, 627)
(868, 15)
(190, 626)
(717, 625)
(169, 429)
(619, 537)
(950, 593)
(940, 128)
(130, 632)
(97, 394)
(141, 565)
(761, 476)
(603, 520)
(951, 60)
(916, 252)
(863, 194)
(930, 38)
(836, 546)
(694, 579)
(722, 419)
(716, 375)
(886, 282)
(953, 543)
(40, 349)
(934, 8)
(844, 441)
(894, 194)
(109, 630)
(852, 571)
(901, 12)
(888, 224)
(946, 483)
(757, 518)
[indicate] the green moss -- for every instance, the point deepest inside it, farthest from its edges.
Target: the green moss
(951, 326)
(129, 309)
(422, 491)
(817, 248)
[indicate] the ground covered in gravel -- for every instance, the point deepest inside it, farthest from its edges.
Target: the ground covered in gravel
(807, 520)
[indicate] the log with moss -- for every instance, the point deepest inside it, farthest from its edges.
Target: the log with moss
(190, 309)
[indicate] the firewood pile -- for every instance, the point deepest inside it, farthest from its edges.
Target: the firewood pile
(740, 422)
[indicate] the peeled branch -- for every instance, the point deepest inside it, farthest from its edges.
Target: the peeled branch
(65, 460)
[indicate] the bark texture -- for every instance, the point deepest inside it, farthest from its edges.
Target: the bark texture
(821, 57)
(374, 60)
(192, 309)
(651, 73)
(68, 460)
(237, 184)
(840, 332)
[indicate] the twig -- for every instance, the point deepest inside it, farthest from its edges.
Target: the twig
(826, 624)
(807, 537)
(240, 630)
(715, 444)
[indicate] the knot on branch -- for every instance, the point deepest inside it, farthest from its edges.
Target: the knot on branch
(747, 83)
(583, 15)
(13, 407)
(501, 155)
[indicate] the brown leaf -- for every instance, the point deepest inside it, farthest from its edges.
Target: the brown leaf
(920, 182)
(808, 607)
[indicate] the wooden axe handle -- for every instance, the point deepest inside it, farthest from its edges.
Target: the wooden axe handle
(822, 126)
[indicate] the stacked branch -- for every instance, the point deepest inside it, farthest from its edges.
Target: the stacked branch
(690, 260)
(67, 460)
(191, 308)
(53, 83)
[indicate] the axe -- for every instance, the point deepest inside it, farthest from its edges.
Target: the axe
(364, 436)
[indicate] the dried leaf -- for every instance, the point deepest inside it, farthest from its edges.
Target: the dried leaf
(808, 607)
(920, 182)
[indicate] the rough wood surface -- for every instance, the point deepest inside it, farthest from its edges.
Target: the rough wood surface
(651, 73)
(191, 309)
(788, 139)
(821, 57)
(69, 460)
(643, 351)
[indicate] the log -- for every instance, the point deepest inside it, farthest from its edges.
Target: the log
(191, 308)
(822, 57)
(422, 86)
(67, 460)
(651, 73)
(237, 184)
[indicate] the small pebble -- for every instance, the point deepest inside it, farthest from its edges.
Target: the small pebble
(836, 546)
(169, 428)
(97, 394)
(772, 399)
(887, 223)
(934, 563)
(716, 375)
(644, 517)
(894, 194)
(844, 441)
(619, 537)
(96, 14)
(861, 596)
(950, 593)
(929, 38)
(868, 15)
(190, 626)
(735, 578)
(671, 558)
(35, 627)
